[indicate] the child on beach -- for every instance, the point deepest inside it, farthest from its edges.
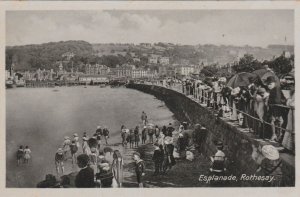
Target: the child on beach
(20, 155)
(93, 159)
(106, 134)
(66, 146)
(157, 158)
(144, 135)
(139, 168)
(136, 136)
(74, 149)
(131, 138)
(59, 161)
(27, 153)
(76, 139)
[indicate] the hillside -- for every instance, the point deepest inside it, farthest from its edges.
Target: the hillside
(31, 57)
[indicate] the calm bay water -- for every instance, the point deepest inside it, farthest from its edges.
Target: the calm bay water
(41, 117)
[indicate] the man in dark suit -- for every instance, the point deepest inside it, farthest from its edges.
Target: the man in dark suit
(85, 177)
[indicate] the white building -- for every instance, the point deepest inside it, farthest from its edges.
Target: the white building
(184, 70)
(139, 73)
(164, 60)
(152, 60)
(94, 78)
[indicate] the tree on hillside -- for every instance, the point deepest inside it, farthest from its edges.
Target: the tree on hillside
(247, 64)
(281, 65)
(209, 71)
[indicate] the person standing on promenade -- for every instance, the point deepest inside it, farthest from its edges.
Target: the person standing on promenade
(85, 177)
(275, 98)
(59, 161)
(144, 118)
(20, 155)
(106, 134)
(139, 168)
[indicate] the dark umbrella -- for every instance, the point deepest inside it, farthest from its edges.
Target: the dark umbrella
(241, 79)
(263, 74)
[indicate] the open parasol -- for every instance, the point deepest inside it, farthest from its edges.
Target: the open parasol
(241, 79)
(263, 74)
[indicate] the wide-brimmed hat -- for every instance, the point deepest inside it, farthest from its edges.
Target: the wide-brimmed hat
(270, 152)
(137, 153)
(93, 149)
(270, 79)
(60, 151)
(235, 90)
(85, 138)
(261, 90)
(66, 137)
(98, 127)
(75, 135)
(168, 140)
(104, 166)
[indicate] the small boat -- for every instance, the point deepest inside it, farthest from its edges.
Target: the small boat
(55, 90)
(10, 83)
(102, 85)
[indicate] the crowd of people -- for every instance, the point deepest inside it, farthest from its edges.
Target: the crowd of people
(255, 100)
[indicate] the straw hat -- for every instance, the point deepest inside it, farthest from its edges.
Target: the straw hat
(66, 137)
(104, 166)
(75, 135)
(93, 149)
(168, 140)
(98, 127)
(270, 152)
(235, 91)
(85, 138)
(60, 151)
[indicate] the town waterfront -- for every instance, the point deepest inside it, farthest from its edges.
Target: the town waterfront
(41, 117)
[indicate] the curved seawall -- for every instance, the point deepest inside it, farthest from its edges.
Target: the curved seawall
(238, 145)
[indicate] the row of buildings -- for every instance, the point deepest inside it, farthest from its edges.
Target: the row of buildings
(102, 73)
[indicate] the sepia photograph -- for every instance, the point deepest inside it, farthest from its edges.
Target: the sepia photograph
(111, 98)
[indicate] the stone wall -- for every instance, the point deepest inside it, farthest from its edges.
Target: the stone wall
(238, 146)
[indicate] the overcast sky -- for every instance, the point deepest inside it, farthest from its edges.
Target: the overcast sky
(235, 27)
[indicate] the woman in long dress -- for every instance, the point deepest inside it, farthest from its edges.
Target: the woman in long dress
(85, 146)
(117, 167)
(76, 139)
(288, 141)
